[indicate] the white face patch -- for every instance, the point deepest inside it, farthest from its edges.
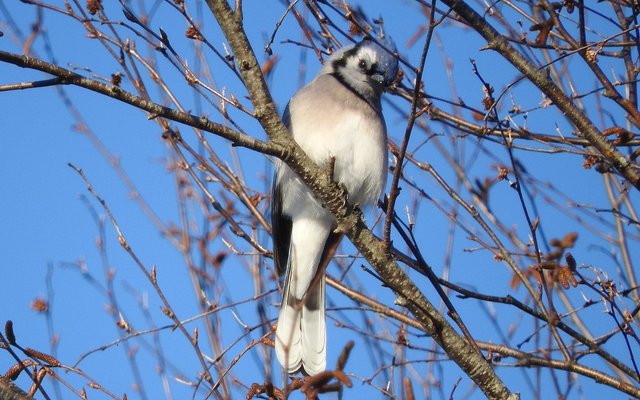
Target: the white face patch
(359, 70)
(363, 60)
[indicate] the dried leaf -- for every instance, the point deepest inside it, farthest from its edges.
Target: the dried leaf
(94, 6)
(571, 262)
(40, 305)
(344, 356)
(566, 278)
(8, 330)
(193, 33)
(49, 359)
(590, 161)
(15, 370)
(544, 29)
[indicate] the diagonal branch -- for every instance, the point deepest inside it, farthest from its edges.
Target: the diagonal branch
(350, 219)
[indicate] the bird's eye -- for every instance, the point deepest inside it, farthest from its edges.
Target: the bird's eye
(362, 65)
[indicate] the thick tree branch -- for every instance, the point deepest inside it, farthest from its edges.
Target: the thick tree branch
(350, 219)
(9, 391)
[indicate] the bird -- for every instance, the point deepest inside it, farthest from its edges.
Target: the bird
(337, 120)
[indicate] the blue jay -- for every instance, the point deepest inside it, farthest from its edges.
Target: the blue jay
(337, 120)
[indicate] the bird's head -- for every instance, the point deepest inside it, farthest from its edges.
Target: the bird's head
(366, 65)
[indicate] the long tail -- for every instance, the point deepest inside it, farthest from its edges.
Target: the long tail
(289, 333)
(301, 335)
(313, 319)
(314, 330)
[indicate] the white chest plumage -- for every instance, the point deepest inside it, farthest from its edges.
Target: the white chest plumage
(356, 138)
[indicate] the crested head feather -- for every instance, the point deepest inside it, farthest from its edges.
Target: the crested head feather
(366, 67)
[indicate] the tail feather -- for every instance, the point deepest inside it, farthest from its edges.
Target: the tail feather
(301, 332)
(288, 335)
(314, 331)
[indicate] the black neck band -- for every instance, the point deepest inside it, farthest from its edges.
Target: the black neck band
(353, 90)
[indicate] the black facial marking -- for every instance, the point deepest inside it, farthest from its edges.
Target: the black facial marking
(373, 69)
(341, 63)
(353, 90)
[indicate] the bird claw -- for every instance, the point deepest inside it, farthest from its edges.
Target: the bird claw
(331, 167)
(346, 193)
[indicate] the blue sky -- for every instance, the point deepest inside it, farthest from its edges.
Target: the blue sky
(46, 216)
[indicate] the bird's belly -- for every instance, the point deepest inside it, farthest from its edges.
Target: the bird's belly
(360, 162)
(357, 143)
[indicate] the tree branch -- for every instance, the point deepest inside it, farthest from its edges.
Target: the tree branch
(350, 219)
(155, 110)
(584, 127)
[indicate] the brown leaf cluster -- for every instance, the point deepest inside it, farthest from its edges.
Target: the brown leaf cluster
(311, 386)
(590, 161)
(34, 360)
(557, 273)
(488, 100)
(94, 6)
(193, 33)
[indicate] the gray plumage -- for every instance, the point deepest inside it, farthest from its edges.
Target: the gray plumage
(338, 115)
